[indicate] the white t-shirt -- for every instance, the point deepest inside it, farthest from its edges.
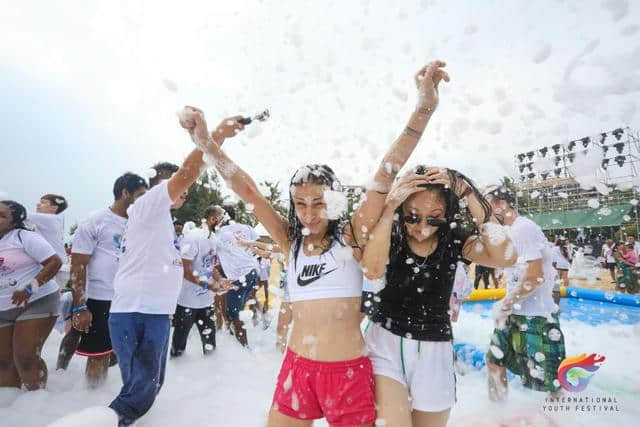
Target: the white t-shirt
(607, 253)
(51, 227)
(21, 253)
(462, 285)
(150, 271)
(531, 245)
(100, 237)
(265, 269)
(636, 248)
(561, 262)
(236, 261)
(202, 254)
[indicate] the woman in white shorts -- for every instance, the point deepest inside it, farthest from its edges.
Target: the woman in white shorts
(433, 218)
(28, 299)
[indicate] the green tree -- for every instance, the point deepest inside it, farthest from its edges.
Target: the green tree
(202, 193)
(275, 197)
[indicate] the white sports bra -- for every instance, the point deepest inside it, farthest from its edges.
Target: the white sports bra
(333, 274)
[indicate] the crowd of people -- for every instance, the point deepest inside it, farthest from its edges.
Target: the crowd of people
(400, 261)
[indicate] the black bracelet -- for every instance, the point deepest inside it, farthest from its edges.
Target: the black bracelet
(412, 132)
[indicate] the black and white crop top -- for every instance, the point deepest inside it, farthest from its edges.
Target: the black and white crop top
(333, 274)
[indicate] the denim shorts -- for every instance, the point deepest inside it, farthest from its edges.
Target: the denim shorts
(47, 306)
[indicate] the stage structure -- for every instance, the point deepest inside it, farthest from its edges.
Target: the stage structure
(599, 170)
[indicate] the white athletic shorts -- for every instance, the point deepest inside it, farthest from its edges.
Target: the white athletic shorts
(424, 367)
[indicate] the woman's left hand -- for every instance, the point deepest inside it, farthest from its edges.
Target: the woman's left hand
(20, 297)
(437, 175)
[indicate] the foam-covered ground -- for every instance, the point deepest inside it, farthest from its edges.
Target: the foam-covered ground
(233, 387)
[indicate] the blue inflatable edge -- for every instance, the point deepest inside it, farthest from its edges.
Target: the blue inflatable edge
(604, 296)
(471, 355)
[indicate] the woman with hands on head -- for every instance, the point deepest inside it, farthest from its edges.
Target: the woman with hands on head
(433, 217)
(324, 373)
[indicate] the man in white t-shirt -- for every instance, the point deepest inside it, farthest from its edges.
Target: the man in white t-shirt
(238, 263)
(94, 262)
(609, 260)
(527, 339)
(150, 272)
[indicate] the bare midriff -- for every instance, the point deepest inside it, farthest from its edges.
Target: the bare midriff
(327, 329)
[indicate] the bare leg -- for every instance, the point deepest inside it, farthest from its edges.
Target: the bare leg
(8, 372)
(430, 419)
(276, 419)
(497, 382)
(393, 402)
(68, 347)
(240, 332)
(96, 371)
(28, 339)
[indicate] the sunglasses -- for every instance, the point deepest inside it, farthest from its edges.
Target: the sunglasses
(417, 219)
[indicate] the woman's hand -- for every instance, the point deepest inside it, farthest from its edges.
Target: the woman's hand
(427, 81)
(192, 120)
(20, 297)
(228, 128)
(405, 187)
(441, 176)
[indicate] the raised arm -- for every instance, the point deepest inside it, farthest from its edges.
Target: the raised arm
(236, 178)
(366, 216)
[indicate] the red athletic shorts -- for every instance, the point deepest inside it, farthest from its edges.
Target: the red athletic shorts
(342, 392)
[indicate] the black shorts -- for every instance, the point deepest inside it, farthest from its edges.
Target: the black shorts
(611, 266)
(96, 342)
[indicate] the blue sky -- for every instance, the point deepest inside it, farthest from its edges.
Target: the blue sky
(90, 90)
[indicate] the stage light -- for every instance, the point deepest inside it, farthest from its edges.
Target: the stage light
(571, 145)
(605, 148)
(522, 178)
(618, 133)
(557, 171)
(521, 168)
(605, 164)
(620, 160)
(530, 155)
(557, 160)
(531, 175)
(585, 141)
(555, 148)
(529, 166)
(521, 157)
(603, 136)
(571, 157)
(544, 175)
(619, 146)
(543, 151)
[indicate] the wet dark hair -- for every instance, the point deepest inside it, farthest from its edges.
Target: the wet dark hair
(18, 214)
(130, 182)
(163, 171)
(313, 174)
(456, 211)
(230, 210)
(56, 200)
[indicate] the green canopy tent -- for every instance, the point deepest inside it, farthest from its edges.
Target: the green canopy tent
(606, 216)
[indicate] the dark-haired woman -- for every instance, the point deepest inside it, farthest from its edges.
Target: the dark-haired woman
(28, 299)
(433, 218)
(324, 373)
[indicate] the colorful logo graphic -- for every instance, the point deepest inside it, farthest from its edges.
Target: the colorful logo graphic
(575, 372)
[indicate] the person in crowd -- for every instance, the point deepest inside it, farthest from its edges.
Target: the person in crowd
(527, 339)
(562, 260)
(434, 218)
(94, 262)
(195, 302)
(608, 249)
(626, 261)
(48, 221)
(29, 299)
(484, 273)
(238, 264)
(635, 245)
(324, 278)
(150, 275)
(177, 227)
